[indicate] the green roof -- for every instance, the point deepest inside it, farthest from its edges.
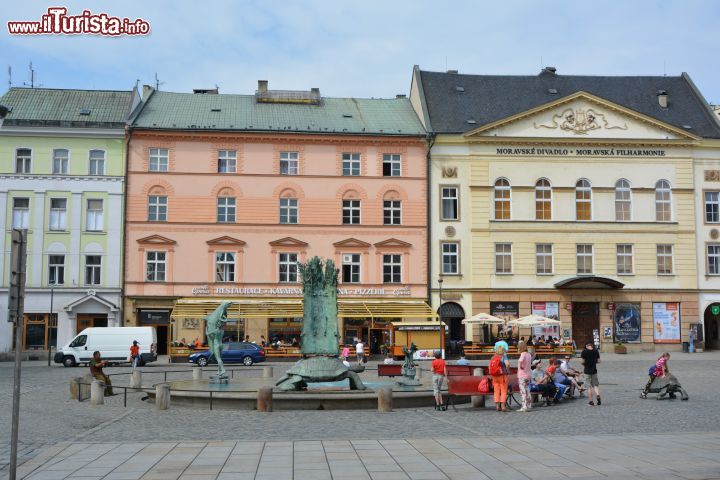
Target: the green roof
(46, 107)
(185, 111)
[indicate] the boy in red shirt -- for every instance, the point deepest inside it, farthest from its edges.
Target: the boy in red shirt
(134, 354)
(439, 371)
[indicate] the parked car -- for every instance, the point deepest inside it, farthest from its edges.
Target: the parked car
(113, 343)
(233, 352)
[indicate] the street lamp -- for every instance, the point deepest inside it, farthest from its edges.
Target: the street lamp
(440, 322)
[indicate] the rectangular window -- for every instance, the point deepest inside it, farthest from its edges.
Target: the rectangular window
(391, 165)
(391, 212)
(224, 267)
(94, 220)
(351, 268)
(157, 208)
(21, 213)
(93, 264)
(449, 203)
(58, 213)
(544, 258)
(288, 210)
(96, 165)
(23, 160)
(227, 161)
(288, 163)
(288, 268)
(159, 159)
(624, 259)
(664, 259)
(584, 259)
(56, 269)
(713, 259)
(351, 212)
(60, 161)
(351, 164)
(155, 266)
(503, 258)
(392, 268)
(450, 258)
(712, 207)
(226, 209)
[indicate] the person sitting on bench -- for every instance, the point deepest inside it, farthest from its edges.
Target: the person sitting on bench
(541, 382)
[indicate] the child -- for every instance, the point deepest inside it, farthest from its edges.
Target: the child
(439, 372)
(134, 354)
(661, 368)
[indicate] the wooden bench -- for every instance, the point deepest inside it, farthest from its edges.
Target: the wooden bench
(282, 352)
(459, 370)
(464, 386)
(389, 370)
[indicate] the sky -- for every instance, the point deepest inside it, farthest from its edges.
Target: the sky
(364, 48)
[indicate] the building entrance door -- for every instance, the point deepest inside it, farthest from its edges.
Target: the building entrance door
(585, 319)
(711, 320)
(90, 320)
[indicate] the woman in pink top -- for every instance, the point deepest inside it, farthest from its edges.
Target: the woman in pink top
(346, 352)
(524, 376)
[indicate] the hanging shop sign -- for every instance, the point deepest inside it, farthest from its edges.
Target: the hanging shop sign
(626, 322)
(666, 322)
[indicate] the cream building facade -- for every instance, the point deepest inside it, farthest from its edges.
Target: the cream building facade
(568, 197)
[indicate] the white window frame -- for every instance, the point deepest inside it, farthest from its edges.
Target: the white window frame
(665, 255)
(57, 268)
(715, 204)
(21, 215)
(58, 215)
(664, 201)
(96, 166)
(159, 159)
(392, 266)
(289, 163)
(583, 186)
(226, 210)
(155, 259)
(289, 210)
(622, 201)
(584, 255)
(94, 218)
(227, 161)
(449, 256)
(503, 253)
(392, 212)
(449, 198)
(157, 208)
(394, 162)
(545, 256)
(351, 210)
(93, 272)
(541, 186)
(225, 267)
(502, 185)
(624, 255)
(63, 162)
(715, 255)
(289, 260)
(351, 164)
(27, 161)
(351, 267)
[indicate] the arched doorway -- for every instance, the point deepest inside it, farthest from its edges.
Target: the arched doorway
(712, 326)
(453, 314)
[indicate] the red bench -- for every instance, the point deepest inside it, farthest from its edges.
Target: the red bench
(390, 370)
(468, 386)
(460, 370)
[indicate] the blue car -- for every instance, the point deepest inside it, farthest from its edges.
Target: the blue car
(233, 352)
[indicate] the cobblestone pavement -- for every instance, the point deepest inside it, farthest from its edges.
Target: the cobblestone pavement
(49, 417)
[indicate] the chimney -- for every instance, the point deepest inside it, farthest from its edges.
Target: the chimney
(454, 72)
(262, 86)
(147, 90)
(662, 98)
(549, 71)
(400, 95)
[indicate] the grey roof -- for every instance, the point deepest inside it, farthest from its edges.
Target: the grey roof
(185, 111)
(488, 98)
(46, 107)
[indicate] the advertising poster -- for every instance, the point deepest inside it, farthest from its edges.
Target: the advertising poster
(626, 319)
(507, 311)
(548, 310)
(666, 322)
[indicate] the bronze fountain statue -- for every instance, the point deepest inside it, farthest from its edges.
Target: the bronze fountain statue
(214, 331)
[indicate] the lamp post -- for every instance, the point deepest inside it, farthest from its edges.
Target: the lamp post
(440, 326)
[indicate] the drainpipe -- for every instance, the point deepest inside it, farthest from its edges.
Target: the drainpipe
(430, 137)
(121, 307)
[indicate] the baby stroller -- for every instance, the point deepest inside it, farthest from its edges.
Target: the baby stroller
(666, 387)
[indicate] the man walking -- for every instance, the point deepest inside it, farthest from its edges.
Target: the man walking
(590, 358)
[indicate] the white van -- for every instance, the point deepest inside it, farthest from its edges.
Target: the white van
(113, 343)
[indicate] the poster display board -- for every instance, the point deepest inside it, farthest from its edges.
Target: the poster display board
(666, 322)
(626, 322)
(548, 310)
(507, 311)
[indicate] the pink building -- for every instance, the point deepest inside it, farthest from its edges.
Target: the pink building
(226, 193)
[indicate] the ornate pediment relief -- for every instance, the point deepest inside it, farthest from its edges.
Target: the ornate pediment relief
(225, 240)
(351, 242)
(392, 243)
(156, 240)
(288, 242)
(580, 121)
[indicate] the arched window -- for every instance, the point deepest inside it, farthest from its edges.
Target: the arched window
(502, 199)
(543, 200)
(583, 200)
(623, 201)
(663, 201)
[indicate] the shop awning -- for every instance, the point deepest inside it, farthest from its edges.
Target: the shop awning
(417, 326)
(293, 307)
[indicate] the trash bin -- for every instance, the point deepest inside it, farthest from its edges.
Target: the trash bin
(686, 347)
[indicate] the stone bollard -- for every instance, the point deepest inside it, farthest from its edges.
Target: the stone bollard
(385, 399)
(197, 374)
(267, 372)
(75, 388)
(162, 396)
(418, 373)
(97, 393)
(265, 399)
(85, 382)
(478, 401)
(136, 379)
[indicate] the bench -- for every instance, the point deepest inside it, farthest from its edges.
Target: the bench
(389, 370)
(464, 386)
(460, 370)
